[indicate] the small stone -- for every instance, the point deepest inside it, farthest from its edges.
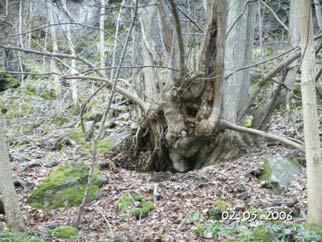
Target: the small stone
(241, 188)
(257, 172)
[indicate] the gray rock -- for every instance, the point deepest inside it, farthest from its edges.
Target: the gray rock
(280, 170)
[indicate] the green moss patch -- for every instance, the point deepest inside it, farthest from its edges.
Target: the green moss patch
(101, 147)
(135, 204)
(10, 237)
(60, 120)
(77, 135)
(143, 209)
(267, 173)
(63, 232)
(261, 233)
(65, 186)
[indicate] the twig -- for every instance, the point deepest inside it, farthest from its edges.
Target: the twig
(130, 67)
(190, 19)
(237, 19)
(274, 14)
(101, 128)
(106, 221)
(58, 24)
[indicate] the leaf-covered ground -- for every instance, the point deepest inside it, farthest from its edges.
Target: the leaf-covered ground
(182, 201)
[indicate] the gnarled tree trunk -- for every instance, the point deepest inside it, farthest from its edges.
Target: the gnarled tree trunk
(185, 129)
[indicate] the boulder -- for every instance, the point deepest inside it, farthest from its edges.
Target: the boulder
(280, 170)
(65, 186)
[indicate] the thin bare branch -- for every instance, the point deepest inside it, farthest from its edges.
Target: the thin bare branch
(274, 14)
(227, 125)
(109, 84)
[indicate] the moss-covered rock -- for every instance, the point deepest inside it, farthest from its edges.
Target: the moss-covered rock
(63, 232)
(65, 186)
(280, 170)
(135, 204)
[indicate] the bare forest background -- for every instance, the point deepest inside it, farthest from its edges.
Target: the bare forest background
(160, 120)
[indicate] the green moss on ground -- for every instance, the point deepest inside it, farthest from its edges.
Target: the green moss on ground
(222, 205)
(65, 186)
(14, 110)
(13, 80)
(268, 232)
(261, 233)
(127, 200)
(60, 120)
(77, 135)
(63, 232)
(267, 173)
(143, 209)
(101, 147)
(135, 205)
(10, 237)
(49, 94)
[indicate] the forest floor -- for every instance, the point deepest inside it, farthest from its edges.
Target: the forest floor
(183, 203)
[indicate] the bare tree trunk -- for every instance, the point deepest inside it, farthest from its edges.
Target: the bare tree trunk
(10, 201)
(53, 66)
(21, 40)
(73, 69)
(150, 75)
(238, 53)
(102, 37)
(310, 116)
(318, 13)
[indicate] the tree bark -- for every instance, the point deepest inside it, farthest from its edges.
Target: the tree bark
(102, 37)
(239, 43)
(148, 44)
(318, 13)
(13, 214)
(310, 116)
(53, 66)
(73, 69)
